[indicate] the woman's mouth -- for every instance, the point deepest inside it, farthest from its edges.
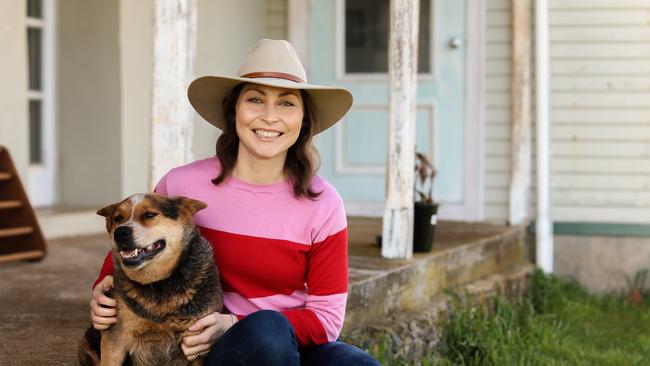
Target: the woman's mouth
(267, 134)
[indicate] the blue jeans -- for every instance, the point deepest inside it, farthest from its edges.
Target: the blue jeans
(266, 338)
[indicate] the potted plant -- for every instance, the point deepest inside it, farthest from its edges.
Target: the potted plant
(425, 209)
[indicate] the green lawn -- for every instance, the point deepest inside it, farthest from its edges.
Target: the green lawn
(556, 323)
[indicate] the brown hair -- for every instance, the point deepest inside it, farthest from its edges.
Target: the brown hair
(302, 158)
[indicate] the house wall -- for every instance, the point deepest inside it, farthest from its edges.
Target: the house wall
(88, 102)
(600, 133)
(136, 60)
(601, 263)
(600, 110)
(276, 19)
(14, 126)
(497, 110)
(600, 136)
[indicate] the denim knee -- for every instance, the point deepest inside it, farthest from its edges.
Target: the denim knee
(262, 338)
(270, 331)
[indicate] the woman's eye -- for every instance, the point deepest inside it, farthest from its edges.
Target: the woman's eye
(287, 103)
(118, 218)
(255, 100)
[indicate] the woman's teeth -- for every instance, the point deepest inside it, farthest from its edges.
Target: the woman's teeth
(263, 133)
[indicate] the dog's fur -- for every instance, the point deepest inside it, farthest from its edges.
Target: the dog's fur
(161, 291)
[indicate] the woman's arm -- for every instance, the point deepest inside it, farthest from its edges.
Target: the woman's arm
(327, 285)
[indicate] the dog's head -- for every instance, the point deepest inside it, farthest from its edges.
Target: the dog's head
(149, 233)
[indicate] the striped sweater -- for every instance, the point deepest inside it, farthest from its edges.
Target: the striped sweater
(273, 251)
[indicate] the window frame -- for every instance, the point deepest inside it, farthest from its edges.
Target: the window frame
(41, 183)
(339, 47)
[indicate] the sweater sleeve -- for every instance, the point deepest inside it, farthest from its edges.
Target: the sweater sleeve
(108, 267)
(321, 320)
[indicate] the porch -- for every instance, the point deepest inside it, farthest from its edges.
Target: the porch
(45, 304)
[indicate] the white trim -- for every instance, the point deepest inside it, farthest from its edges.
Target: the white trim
(35, 95)
(41, 184)
(298, 29)
(474, 106)
(37, 23)
(339, 50)
(544, 224)
(343, 167)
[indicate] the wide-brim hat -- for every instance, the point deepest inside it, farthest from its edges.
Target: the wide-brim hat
(271, 63)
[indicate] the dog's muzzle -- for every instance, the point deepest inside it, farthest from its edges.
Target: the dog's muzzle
(133, 256)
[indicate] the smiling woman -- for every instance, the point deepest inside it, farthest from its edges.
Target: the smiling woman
(278, 231)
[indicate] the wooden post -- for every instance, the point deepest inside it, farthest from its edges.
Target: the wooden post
(174, 51)
(402, 70)
(521, 120)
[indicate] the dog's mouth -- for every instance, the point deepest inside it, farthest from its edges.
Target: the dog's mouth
(132, 256)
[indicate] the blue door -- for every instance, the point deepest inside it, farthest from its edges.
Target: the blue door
(348, 42)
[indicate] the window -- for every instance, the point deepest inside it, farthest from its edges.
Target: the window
(366, 36)
(35, 27)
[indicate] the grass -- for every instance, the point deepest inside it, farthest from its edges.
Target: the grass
(556, 323)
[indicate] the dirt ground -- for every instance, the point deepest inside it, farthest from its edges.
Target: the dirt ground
(44, 305)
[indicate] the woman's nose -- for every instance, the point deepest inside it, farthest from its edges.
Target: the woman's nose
(270, 114)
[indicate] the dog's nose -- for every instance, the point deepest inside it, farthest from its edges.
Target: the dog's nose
(123, 234)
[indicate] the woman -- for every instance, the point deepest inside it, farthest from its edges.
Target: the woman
(278, 231)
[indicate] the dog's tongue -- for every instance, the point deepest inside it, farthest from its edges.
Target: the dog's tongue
(130, 253)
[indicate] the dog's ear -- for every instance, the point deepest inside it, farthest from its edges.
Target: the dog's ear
(192, 205)
(107, 211)
(171, 205)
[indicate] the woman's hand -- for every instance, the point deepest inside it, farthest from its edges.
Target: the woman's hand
(204, 333)
(102, 307)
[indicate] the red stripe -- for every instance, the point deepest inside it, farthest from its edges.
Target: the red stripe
(309, 330)
(328, 263)
(258, 267)
(107, 268)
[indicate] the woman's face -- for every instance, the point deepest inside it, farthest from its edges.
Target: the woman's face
(268, 121)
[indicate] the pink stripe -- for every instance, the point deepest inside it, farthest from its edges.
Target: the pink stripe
(330, 310)
(238, 304)
(312, 221)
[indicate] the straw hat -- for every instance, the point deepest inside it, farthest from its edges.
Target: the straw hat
(272, 63)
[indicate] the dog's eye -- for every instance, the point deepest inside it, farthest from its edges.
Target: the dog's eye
(149, 215)
(117, 218)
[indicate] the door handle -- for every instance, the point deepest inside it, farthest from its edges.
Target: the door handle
(455, 42)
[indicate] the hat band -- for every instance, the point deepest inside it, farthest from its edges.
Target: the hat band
(272, 74)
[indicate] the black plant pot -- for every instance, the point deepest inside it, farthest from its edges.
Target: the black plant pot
(423, 227)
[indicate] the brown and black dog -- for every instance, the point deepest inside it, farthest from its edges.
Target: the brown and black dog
(165, 280)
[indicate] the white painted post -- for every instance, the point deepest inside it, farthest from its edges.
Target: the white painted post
(544, 222)
(520, 111)
(174, 50)
(402, 70)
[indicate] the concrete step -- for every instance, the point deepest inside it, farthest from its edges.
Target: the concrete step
(464, 253)
(414, 333)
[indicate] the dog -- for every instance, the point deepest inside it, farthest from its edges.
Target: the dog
(165, 280)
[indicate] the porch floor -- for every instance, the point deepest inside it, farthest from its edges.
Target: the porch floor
(44, 305)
